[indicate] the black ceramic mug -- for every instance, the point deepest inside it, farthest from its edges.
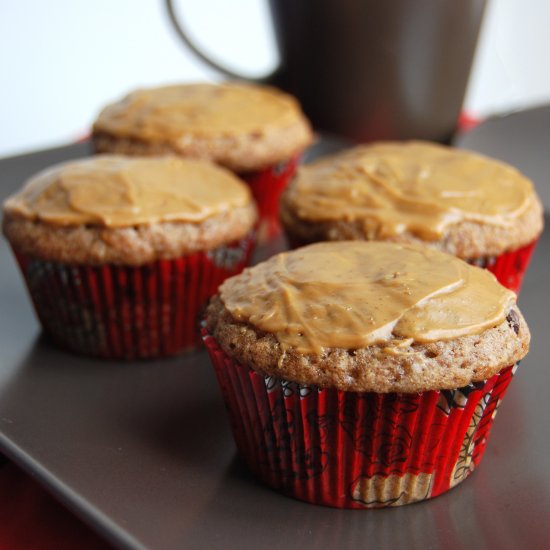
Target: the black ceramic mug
(371, 69)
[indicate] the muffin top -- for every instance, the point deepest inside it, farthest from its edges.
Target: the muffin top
(112, 197)
(369, 316)
(241, 126)
(422, 190)
(116, 191)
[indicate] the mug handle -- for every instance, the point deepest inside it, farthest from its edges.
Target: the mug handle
(203, 57)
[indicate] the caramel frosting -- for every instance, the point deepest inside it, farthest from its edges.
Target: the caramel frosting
(416, 187)
(116, 191)
(355, 294)
(184, 112)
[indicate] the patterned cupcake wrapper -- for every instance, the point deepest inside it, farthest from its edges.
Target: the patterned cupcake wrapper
(356, 450)
(128, 312)
(510, 267)
(267, 186)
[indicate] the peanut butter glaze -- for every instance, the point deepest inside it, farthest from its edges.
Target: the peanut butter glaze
(181, 112)
(355, 294)
(418, 187)
(116, 191)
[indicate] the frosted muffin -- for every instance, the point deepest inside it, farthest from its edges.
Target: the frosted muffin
(363, 374)
(257, 132)
(471, 206)
(120, 254)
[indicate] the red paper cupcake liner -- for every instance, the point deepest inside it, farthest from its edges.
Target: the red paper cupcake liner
(510, 267)
(128, 312)
(267, 186)
(356, 450)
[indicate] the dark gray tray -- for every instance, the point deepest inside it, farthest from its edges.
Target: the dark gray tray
(142, 451)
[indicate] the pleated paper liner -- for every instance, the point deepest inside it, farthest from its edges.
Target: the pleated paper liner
(128, 312)
(267, 186)
(509, 268)
(356, 450)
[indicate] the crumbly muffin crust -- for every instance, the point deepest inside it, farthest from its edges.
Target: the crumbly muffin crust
(240, 154)
(138, 245)
(467, 239)
(420, 367)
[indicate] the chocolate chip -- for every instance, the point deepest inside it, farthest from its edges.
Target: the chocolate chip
(513, 320)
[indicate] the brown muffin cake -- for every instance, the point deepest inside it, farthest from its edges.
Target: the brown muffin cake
(119, 210)
(456, 201)
(256, 131)
(147, 232)
(363, 374)
(434, 365)
(287, 292)
(241, 126)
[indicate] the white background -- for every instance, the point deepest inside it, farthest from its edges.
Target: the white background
(62, 60)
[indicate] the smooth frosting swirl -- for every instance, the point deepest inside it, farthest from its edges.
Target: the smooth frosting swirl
(415, 187)
(355, 294)
(117, 191)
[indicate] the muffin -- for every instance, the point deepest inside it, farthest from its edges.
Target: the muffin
(257, 132)
(363, 374)
(468, 205)
(121, 254)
